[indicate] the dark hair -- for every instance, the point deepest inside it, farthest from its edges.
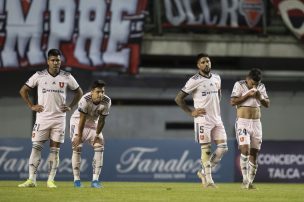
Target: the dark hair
(98, 84)
(201, 55)
(255, 74)
(53, 52)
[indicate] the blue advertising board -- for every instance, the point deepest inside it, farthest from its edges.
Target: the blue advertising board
(124, 160)
(278, 161)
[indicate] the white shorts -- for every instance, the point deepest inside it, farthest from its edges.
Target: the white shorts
(88, 134)
(45, 130)
(249, 132)
(206, 131)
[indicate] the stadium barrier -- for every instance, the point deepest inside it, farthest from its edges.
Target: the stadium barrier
(165, 160)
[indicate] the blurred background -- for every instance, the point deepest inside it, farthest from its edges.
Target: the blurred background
(145, 51)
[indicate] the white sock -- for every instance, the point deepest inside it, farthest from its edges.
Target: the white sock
(34, 160)
(208, 169)
(97, 162)
(76, 160)
(218, 154)
(252, 169)
(53, 162)
(244, 166)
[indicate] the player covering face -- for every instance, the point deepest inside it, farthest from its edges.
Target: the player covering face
(248, 95)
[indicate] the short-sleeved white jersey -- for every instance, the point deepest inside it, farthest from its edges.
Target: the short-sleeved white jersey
(86, 106)
(241, 88)
(205, 93)
(52, 91)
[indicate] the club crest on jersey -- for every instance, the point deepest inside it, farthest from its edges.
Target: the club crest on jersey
(252, 10)
(61, 84)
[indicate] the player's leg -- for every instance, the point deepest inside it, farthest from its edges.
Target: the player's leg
(244, 163)
(53, 161)
(40, 134)
(218, 133)
(76, 154)
(206, 164)
(56, 138)
(76, 161)
(202, 133)
(255, 146)
(252, 166)
(97, 163)
(34, 162)
(243, 138)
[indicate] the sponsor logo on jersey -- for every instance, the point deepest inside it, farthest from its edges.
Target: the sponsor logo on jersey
(51, 91)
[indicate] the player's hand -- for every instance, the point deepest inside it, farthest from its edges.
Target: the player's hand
(76, 141)
(65, 108)
(37, 108)
(252, 92)
(198, 112)
(258, 95)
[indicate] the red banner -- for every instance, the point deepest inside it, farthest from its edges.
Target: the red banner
(92, 34)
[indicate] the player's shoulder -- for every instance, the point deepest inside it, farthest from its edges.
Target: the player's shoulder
(64, 73)
(195, 78)
(241, 82)
(261, 85)
(87, 97)
(106, 99)
(215, 76)
(42, 72)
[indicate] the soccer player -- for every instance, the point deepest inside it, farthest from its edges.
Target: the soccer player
(248, 95)
(52, 85)
(86, 125)
(205, 88)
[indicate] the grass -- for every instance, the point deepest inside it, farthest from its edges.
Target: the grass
(153, 191)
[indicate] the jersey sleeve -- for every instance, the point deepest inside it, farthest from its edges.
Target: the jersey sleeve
(237, 90)
(263, 92)
(73, 85)
(83, 105)
(190, 86)
(106, 110)
(32, 82)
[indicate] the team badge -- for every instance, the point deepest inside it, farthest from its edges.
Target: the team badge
(252, 10)
(61, 84)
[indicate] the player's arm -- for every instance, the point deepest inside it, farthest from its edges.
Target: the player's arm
(100, 124)
(220, 94)
(24, 92)
(78, 139)
(180, 101)
(77, 95)
(264, 101)
(239, 100)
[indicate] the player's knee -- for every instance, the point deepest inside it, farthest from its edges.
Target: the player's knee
(77, 149)
(98, 147)
(37, 145)
(222, 148)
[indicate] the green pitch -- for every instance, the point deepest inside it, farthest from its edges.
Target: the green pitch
(137, 191)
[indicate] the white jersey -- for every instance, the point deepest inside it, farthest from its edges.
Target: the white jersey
(241, 88)
(52, 92)
(205, 93)
(92, 110)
